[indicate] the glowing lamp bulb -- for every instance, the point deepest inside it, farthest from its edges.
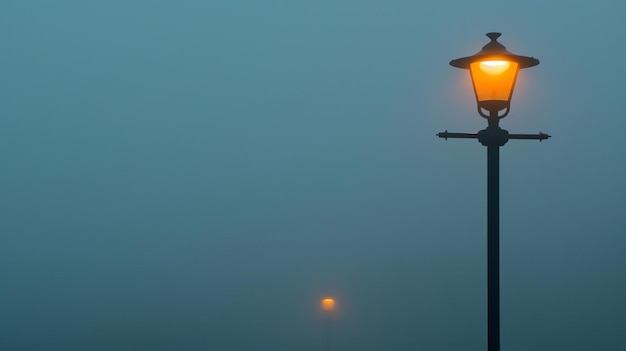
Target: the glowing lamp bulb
(328, 304)
(494, 67)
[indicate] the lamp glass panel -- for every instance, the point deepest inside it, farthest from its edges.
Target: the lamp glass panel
(494, 79)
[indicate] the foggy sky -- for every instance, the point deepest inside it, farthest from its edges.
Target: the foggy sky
(197, 175)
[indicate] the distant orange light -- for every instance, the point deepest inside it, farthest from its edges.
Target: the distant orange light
(328, 304)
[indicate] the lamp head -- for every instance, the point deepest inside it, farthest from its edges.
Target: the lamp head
(494, 72)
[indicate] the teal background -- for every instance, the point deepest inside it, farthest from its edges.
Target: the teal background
(197, 175)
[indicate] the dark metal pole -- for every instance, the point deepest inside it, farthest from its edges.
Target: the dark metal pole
(328, 333)
(493, 137)
(493, 241)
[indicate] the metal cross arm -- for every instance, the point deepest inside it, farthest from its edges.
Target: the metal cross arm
(447, 135)
(540, 136)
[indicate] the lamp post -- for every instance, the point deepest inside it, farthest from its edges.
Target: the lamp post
(328, 306)
(493, 71)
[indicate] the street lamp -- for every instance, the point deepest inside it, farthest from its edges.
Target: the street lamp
(493, 71)
(328, 306)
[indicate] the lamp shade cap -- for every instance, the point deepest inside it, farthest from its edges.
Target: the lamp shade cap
(494, 50)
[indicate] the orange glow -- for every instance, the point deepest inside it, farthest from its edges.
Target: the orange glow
(494, 79)
(328, 304)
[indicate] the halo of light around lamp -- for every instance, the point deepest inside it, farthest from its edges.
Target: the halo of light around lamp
(494, 72)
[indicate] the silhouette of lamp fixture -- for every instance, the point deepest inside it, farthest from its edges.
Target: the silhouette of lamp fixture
(493, 71)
